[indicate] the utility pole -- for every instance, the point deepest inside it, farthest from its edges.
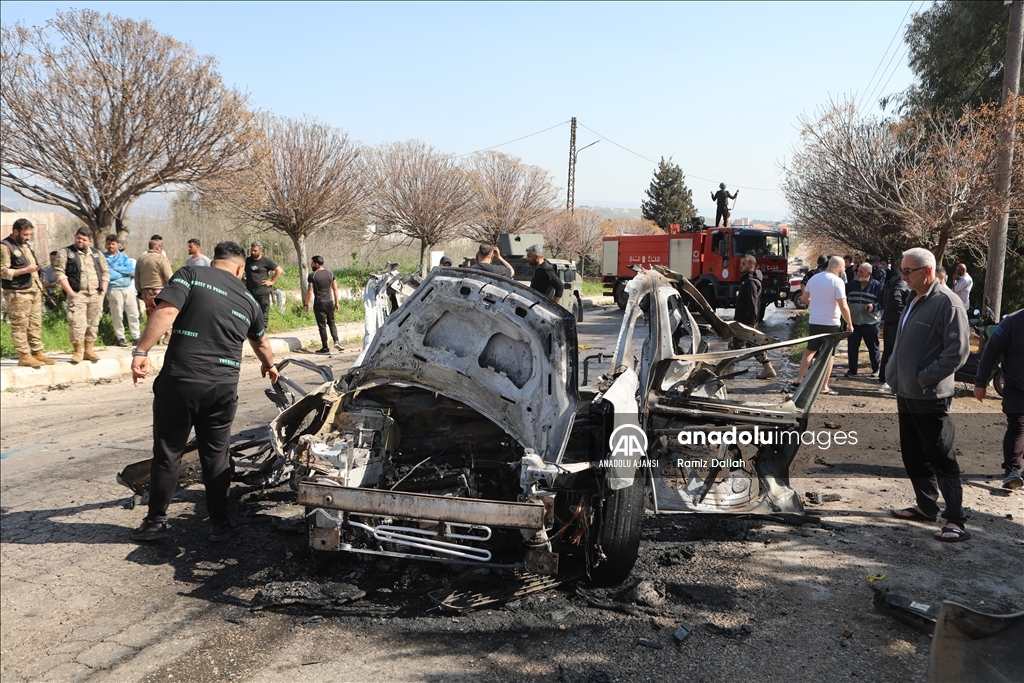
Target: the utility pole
(1004, 159)
(570, 194)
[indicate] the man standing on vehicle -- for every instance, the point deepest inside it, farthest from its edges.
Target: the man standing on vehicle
(545, 278)
(932, 343)
(23, 294)
(212, 315)
(825, 296)
(323, 289)
(486, 255)
(1007, 343)
(748, 309)
(260, 276)
(121, 299)
(722, 197)
(864, 296)
(82, 273)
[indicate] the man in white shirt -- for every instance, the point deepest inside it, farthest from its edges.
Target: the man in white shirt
(825, 295)
(962, 284)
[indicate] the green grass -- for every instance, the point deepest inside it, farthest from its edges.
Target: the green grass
(802, 330)
(592, 287)
(293, 316)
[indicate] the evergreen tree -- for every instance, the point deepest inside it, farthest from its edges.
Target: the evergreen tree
(668, 199)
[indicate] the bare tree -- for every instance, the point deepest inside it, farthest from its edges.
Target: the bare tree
(418, 193)
(631, 226)
(304, 176)
(882, 186)
(509, 196)
(575, 236)
(96, 110)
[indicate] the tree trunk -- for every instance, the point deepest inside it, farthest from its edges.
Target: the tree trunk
(300, 250)
(940, 248)
(424, 250)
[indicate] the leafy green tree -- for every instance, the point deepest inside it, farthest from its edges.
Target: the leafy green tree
(956, 50)
(669, 200)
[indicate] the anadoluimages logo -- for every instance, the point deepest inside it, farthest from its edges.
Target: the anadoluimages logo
(628, 441)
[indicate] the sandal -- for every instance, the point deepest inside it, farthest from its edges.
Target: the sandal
(912, 515)
(828, 392)
(959, 534)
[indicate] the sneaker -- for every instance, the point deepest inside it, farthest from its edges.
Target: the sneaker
(122, 342)
(850, 374)
(337, 345)
(324, 351)
(151, 531)
(884, 388)
(1012, 480)
(222, 531)
(873, 373)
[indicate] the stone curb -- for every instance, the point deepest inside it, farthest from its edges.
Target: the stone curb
(115, 362)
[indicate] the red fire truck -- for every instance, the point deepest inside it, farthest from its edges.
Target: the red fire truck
(708, 257)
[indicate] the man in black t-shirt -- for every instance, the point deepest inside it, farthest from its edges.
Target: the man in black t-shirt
(260, 276)
(545, 279)
(212, 314)
(486, 255)
(324, 292)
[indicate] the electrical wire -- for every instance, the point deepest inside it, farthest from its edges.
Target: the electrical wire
(692, 174)
(898, 28)
(881, 89)
(487, 149)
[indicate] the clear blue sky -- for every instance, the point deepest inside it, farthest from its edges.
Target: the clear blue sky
(718, 87)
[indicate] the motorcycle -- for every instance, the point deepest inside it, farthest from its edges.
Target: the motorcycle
(983, 326)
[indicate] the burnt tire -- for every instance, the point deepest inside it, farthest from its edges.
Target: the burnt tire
(620, 534)
(619, 294)
(997, 381)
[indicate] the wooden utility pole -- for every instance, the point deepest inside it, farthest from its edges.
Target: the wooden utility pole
(570, 194)
(1004, 159)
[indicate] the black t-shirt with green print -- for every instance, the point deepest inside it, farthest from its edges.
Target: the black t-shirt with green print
(216, 316)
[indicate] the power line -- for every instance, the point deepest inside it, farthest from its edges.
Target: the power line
(898, 28)
(691, 174)
(895, 68)
(487, 149)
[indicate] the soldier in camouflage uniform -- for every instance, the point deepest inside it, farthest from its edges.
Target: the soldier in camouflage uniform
(82, 273)
(23, 294)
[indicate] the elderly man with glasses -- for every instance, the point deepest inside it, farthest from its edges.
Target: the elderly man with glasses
(932, 342)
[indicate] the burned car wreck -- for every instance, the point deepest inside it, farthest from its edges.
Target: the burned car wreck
(460, 434)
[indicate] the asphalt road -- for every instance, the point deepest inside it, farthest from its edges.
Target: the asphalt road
(80, 602)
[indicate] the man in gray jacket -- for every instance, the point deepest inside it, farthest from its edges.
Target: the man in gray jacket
(932, 342)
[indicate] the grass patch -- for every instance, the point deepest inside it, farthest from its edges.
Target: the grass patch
(294, 317)
(592, 287)
(802, 330)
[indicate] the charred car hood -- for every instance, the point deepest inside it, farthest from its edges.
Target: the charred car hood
(499, 347)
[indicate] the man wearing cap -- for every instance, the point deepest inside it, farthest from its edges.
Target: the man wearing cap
(545, 278)
(486, 255)
(722, 197)
(23, 294)
(81, 271)
(261, 274)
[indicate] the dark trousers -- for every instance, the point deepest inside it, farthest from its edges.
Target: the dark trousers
(178, 406)
(324, 313)
(869, 334)
(720, 214)
(1013, 441)
(926, 440)
(889, 330)
(264, 301)
(735, 344)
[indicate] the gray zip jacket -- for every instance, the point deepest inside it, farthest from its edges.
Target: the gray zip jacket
(933, 343)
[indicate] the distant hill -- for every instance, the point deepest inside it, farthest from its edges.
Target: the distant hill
(611, 212)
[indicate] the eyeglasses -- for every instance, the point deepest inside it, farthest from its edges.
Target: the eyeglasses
(908, 271)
